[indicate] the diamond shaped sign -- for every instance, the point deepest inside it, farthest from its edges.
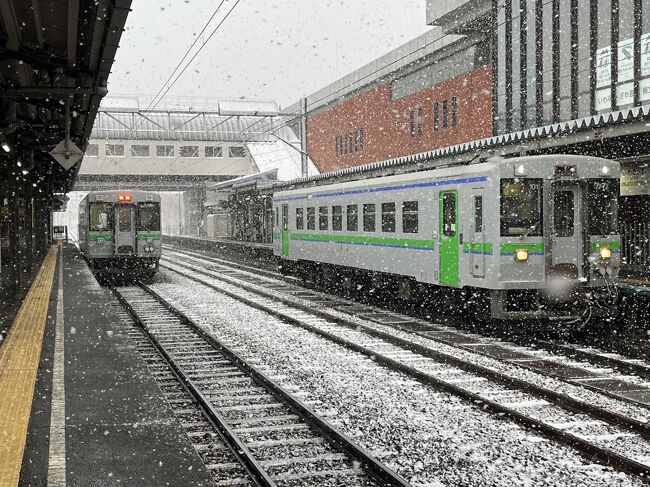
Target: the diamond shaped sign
(68, 158)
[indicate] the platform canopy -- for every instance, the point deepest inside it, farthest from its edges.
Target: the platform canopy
(56, 58)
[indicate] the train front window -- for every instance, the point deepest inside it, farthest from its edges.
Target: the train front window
(521, 207)
(603, 206)
(563, 213)
(125, 212)
(100, 217)
(148, 217)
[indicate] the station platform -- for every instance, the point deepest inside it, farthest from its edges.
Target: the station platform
(78, 406)
(235, 248)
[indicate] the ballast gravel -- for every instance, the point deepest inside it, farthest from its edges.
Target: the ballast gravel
(430, 438)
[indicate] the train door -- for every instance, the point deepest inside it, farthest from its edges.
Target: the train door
(285, 231)
(125, 229)
(449, 238)
(477, 248)
(567, 247)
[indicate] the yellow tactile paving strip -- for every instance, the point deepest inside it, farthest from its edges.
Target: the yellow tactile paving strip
(19, 358)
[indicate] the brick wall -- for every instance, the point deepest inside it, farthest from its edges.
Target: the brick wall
(371, 127)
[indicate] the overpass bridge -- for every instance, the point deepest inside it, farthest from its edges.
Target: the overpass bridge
(185, 150)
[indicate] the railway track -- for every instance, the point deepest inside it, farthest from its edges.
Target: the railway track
(600, 434)
(247, 429)
(577, 367)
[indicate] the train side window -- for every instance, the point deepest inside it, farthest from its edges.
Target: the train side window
(478, 214)
(449, 214)
(410, 217)
(322, 217)
(563, 213)
(388, 217)
(337, 218)
(311, 218)
(300, 218)
(352, 218)
(369, 217)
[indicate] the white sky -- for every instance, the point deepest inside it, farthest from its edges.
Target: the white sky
(266, 49)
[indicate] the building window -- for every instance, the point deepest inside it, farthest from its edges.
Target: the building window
(322, 217)
(412, 123)
(436, 116)
(189, 151)
(444, 114)
(336, 146)
(454, 112)
(311, 218)
(337, 218)
(92, 150)
(164, 151)
(410, 217)
(115, 150)
(352, 218)
(388, 217)
(361, 139)
(369, 217)
(236, 152)
(300, 218)
(213, 151)
(139, 150)
(416, 122)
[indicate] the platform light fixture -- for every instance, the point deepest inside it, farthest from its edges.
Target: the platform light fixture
(5, 146)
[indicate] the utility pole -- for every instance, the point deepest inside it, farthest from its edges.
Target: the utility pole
(303, 138)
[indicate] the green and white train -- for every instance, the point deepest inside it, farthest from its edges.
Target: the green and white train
(119, 232)
(536, 237)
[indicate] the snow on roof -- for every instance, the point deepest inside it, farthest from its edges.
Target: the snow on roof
(282, 154)
(553, 130)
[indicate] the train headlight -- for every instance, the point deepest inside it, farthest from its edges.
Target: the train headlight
(521, 255)
(605, 253)
(604, 170)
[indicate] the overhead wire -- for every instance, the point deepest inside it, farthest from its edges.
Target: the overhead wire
(168, 86)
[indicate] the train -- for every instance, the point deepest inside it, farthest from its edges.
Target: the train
(119, 232)
(526, 238)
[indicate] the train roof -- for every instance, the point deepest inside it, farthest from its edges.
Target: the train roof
(112, 195)
(459, 169)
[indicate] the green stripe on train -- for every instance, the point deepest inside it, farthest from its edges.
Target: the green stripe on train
(610, 244)
(365, 240)
(478, 248)
(511, 248)
(142, 235)
(100, 236)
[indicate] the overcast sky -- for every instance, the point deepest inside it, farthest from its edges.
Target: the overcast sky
(266, 49)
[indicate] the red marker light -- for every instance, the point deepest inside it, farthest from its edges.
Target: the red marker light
(124, 197)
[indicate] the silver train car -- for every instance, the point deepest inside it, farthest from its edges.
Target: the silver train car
(119, 232)
(536, 238)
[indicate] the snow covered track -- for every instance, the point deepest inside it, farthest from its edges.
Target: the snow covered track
(564, 368)
(275, 437)
(599, 433)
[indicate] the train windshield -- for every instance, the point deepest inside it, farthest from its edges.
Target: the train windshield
(100, 217)
(603, 208)
(148, 217)
(521, 207)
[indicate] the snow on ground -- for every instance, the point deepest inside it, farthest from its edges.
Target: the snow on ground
(424, 435)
